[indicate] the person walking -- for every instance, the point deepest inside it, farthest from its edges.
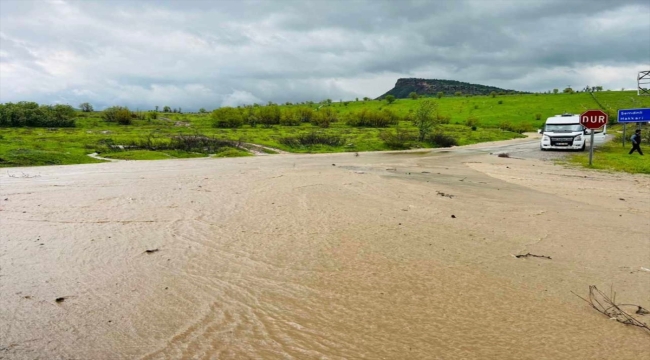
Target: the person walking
(636, 142)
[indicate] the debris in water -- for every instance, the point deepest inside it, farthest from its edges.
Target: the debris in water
(641, 311)
(60, 299)
(440, 193)
(608, 306)
(151, 251)
(533, 255)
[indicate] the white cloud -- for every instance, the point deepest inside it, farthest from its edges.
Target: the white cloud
(239, 97)
(194, 54)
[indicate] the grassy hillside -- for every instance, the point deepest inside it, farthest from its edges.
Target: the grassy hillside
(502, 117)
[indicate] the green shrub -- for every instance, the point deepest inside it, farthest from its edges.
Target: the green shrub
(372, 118)
(442, 119)
(312, 138)
(398, 139)
(118, 114)
(269, 115)
(538, 116)
(26, 113)
(440, 139)
(227, 117)
(500, 102)
(290, 117)
(305, 113)
(471, 121)
(324, 117)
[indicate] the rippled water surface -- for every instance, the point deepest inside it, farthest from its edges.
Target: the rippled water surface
(320, 257)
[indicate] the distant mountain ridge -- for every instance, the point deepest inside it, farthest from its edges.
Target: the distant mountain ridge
(431, 87)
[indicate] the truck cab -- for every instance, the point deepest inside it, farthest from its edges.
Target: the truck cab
(564, 132)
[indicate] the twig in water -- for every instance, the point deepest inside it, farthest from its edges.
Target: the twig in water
(533, 255)
(607, 306)
(440, 193)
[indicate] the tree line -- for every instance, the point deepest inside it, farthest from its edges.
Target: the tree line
(27, 113)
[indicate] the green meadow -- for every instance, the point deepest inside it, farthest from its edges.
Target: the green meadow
(466, 120)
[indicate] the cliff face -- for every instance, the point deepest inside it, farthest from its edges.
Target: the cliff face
(431, 87)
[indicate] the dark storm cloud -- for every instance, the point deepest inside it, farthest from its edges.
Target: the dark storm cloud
(206, 54)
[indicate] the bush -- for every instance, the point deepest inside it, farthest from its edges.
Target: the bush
(473, 128)
(269, 115)
(372, 118)
(290, 117)
(305, 113)
(500, 102)
(390, 98)
(493, 94)
(26, 113)
(538, 116)
(324, 117)
(399, 139)
(439, 139)
(312, 138)
(471, 122)
(227, 117)
(118, 114)
(153, 115)
(442, 119)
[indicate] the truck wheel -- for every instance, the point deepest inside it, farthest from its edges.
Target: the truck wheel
(584, 146)
(542, 149)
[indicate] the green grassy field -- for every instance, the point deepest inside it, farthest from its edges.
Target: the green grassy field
(614, 156)
(493, 116)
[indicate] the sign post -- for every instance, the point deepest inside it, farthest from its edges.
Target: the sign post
(592, 120)
(626, 116)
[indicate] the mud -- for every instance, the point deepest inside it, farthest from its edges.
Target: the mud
(287, 256)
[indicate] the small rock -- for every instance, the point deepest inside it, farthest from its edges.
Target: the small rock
(621, 199)
(151, 251)
(333, 164)
(60, 299)
(453, 216)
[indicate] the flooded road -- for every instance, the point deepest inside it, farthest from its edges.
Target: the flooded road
(335, 256)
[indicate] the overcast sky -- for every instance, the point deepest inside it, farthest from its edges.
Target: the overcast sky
(194, 54)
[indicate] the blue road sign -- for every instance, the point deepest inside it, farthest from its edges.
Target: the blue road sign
(633, 115)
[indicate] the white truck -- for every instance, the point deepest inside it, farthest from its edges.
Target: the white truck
(564, 132)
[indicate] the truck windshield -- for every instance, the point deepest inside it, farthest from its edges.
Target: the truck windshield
(563, 128)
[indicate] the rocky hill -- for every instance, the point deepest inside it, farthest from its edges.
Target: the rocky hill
(431, 87)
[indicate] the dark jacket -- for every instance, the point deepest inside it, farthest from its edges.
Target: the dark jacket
(636, 139)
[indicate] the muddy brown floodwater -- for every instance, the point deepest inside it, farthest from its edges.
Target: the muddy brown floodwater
(321, 257)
